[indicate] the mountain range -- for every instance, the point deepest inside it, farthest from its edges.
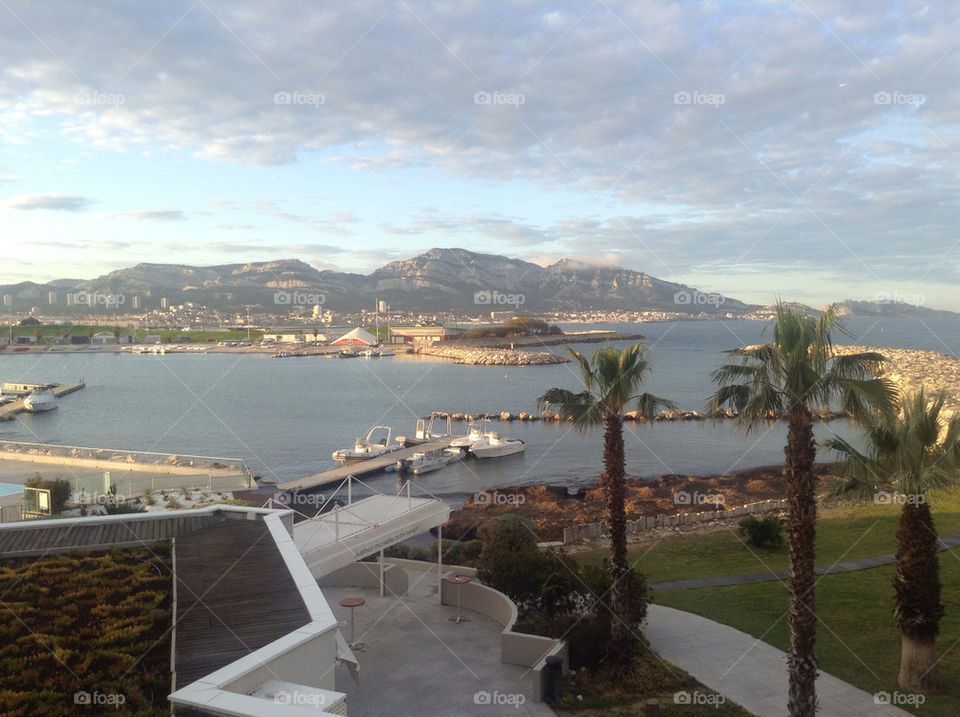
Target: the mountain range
(437, 281)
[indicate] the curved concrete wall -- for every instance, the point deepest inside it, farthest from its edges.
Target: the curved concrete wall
(367, 575)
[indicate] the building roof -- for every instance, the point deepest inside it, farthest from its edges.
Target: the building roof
(357, 336)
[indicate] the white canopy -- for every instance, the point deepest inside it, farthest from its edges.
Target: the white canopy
(357, 336)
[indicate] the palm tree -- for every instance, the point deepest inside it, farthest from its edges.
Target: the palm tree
(611, 379)
(784, 378)
(907, 454)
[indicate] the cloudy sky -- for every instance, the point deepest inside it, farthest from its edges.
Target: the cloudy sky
(806, 149)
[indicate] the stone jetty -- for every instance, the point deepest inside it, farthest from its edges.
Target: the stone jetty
(912, 369)
(483, 356)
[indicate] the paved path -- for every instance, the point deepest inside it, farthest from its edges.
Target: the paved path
(720, 581)
(745, 670)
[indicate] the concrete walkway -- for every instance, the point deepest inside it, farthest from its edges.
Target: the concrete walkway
(722, 581)
(745, 670)
(418, 662)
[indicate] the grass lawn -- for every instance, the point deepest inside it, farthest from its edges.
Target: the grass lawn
(857, 638)
(843, 533)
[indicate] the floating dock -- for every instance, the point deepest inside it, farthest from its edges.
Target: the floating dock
(12, 408)
(374, 465)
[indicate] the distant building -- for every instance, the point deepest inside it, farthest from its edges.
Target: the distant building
(103, 338)
(502, 316)
(163, 302)
(135, 303)
(51, 297)
(407, 335)
(357, 337)
(7, 300)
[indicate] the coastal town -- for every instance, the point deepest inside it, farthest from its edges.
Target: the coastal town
(479, 359)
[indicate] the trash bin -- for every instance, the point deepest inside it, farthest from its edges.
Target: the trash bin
(551, 679)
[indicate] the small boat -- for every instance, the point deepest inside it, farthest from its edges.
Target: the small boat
(475, 433)
(40, 400)
(422, 463)
(425, 430)
(367, 448)
(495, 446)
(347, 353)
(377, 353)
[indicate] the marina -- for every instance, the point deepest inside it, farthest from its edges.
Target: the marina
(367, 467)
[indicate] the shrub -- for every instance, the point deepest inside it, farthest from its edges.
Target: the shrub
(511, 530)
(60, 491)
(766, 532)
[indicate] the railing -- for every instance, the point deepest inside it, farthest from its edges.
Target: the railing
(287, 499)
(128, 457)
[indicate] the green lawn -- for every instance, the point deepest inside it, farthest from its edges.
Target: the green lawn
(845, 533)
(857, 638)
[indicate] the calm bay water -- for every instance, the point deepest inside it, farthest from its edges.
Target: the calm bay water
(285, 417)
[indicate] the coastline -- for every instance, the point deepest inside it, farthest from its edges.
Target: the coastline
(552, 508)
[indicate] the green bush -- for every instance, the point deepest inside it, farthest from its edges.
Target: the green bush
(60, 491)
(766, 532)
(511, 530)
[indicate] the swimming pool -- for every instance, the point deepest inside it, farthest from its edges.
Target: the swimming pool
(10, 488)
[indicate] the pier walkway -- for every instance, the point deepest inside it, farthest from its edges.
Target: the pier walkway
(11, 409)
(360, 468)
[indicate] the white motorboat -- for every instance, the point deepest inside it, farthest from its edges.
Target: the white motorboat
(425, 430)
(40, 400)
(367, 448)
(434, 460)
(475, 433)
(494, 446)
(377, 353)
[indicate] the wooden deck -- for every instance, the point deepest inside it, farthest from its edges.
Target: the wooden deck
(234, 595)
(374, 465)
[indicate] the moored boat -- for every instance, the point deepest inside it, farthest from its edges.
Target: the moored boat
(40, 400)
(367, 448)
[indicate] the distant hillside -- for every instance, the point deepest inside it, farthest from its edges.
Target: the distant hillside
(438, 280)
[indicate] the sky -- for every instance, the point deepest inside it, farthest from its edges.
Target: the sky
(807, 150)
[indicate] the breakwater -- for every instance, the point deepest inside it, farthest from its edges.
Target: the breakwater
(483, 356)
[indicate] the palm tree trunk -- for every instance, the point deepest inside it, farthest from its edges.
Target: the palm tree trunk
(801, 527)
(917, 595)
(615, 469)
